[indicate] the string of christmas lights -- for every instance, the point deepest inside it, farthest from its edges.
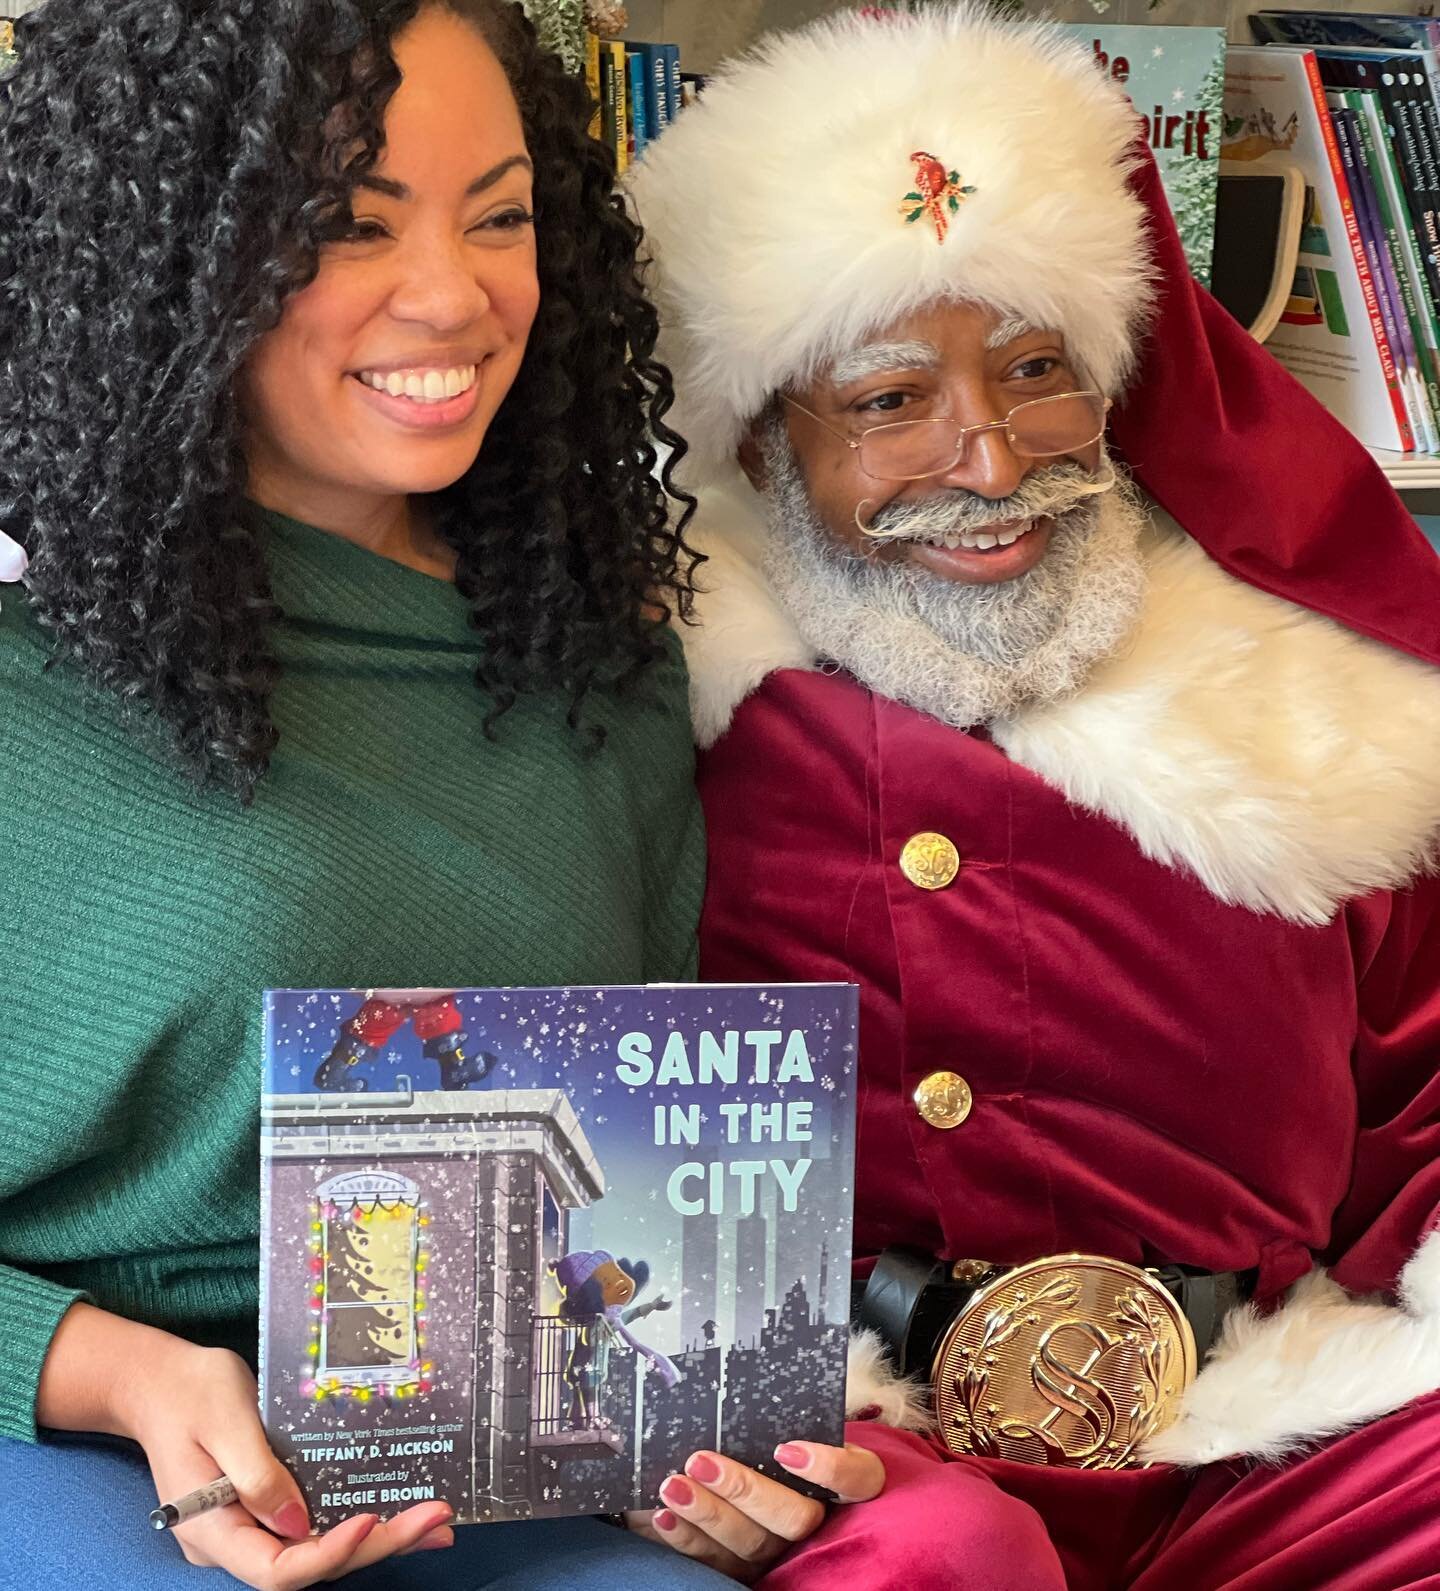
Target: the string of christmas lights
(360, 1216)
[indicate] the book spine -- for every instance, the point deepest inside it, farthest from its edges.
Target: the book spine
(608, 104)
(1421, 200)
(1357, 250)
(656, 106)
(1424, 125)
(1418, 302)
(639, 120)
(673, 90)
(1341, 119)
(620, 75)
(592, 82)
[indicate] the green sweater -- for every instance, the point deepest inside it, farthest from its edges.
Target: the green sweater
(390, 845)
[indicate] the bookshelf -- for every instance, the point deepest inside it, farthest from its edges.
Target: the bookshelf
(708, 33)
(1409, 472)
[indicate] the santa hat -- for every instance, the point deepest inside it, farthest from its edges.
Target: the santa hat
(852, 171)
(848, 173)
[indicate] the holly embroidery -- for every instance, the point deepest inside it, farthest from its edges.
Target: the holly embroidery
(938, 193)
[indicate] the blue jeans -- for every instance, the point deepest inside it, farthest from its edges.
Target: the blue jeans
(72, 1514)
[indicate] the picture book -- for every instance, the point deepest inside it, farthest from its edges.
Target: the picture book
(526, 1250)
(1332, 335)
(1175, 79)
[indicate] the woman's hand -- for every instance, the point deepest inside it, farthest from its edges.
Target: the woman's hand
(194, 1413)
(739, 1521)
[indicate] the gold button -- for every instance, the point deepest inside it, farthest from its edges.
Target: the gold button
(929, 861)
(944, 1099)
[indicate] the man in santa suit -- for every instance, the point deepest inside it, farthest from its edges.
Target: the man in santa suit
(1066, 678)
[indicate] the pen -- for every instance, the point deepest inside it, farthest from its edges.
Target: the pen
(216, 1495)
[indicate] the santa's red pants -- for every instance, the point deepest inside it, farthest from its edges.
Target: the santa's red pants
(1360, 1513)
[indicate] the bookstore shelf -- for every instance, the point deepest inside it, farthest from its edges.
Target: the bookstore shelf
(1409, 472)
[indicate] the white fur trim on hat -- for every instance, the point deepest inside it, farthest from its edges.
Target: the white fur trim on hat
(773, 207)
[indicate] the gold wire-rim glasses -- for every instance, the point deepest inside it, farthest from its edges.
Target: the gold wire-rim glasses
(963, 432)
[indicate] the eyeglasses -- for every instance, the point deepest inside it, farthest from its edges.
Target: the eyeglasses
(910, 450)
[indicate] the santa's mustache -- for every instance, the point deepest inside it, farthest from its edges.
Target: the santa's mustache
(1047, 494)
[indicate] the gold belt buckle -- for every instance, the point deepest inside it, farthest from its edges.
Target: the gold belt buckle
(1070, 1361)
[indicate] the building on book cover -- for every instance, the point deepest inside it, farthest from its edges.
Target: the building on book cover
(526, 1250)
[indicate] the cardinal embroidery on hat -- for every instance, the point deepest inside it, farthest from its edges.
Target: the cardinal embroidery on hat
(937, 193)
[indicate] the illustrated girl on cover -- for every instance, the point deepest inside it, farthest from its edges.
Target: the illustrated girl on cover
(597, 1287)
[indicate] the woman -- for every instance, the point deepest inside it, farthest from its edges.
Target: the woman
(323, 422)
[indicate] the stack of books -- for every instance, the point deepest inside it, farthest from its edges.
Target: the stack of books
(1354, 102)
(637, 91)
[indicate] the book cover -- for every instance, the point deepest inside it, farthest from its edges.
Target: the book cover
(1331, 336)
(526, 1250)
(1175, 78)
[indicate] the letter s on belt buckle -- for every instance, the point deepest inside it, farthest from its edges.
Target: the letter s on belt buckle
(1071, 1361)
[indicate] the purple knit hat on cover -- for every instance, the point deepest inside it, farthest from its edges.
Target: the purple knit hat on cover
(576, 1269)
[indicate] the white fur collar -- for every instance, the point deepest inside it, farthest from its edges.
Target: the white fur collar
(1321, 1364)
(1287, 763)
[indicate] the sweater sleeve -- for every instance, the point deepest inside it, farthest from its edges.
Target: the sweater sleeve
(32, 1310)
(1393, 1201)
(45, 1120)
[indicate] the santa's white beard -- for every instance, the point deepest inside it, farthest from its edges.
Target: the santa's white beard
(964, 654)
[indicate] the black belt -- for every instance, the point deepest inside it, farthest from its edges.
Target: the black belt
(911, 1297)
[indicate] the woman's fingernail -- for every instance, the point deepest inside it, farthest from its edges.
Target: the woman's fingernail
(792, 1456)
(665, 1520)
(703, 1468)
(676, 1491)
(444, 1537)
(292, 1520)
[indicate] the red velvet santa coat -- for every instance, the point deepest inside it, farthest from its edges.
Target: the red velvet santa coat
(1188, 967)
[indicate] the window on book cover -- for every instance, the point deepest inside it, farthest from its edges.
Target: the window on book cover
(370, 1281)
(552, 1250)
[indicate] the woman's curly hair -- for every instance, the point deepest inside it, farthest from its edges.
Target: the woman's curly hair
(170, 170)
